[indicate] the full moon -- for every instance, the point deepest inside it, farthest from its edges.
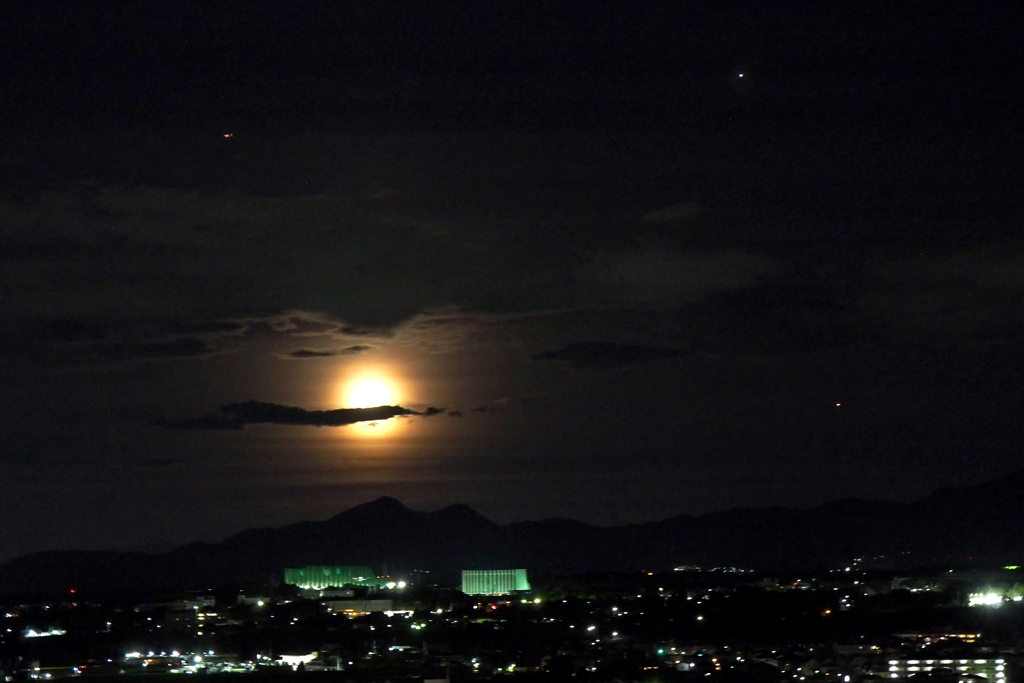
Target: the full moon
(369, 393)
(372, 386)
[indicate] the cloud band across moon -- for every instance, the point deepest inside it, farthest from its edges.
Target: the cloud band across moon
(237, 415)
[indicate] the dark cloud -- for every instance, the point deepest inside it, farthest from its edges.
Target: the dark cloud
(71, 330)
(68, 330)
(491, 406)
(210, 327)
(312, 353)
(303, 325)
(455, 413)
(209, 253)
(237, 415)
(687, 211)
(516, 208)
(953, 296)
(607, 355)
(175, 348)
(79, 341)
(90, 352)
(961, 295)
(327, 353)
(788, 316)
(364, 331)
(499, 404)
(49, 245)
(170, 253)
(159, 462)
(663, 277)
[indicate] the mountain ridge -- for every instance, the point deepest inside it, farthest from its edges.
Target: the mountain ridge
(955, 526)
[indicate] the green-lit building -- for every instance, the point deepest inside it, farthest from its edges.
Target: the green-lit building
(494, 581)
(331, 577)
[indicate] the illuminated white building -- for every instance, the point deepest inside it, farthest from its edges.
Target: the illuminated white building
(985, 599)
(992, 669)
(494, 581)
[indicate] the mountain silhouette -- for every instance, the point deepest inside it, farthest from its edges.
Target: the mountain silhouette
(978, 525)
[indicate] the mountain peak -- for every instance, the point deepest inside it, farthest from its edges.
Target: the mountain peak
(388, 502)
(385, 506)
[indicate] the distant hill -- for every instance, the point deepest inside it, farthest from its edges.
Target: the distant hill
(979, 525)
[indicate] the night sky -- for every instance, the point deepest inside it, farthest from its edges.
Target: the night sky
(609, 261)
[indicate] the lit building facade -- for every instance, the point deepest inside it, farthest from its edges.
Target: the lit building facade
(494, 581)
(331, 577)
(992, 669)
